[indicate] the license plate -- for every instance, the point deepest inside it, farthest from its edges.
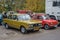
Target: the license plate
(55, 25)
(36, 28)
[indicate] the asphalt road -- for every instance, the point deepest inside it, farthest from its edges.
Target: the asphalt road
(13, 34)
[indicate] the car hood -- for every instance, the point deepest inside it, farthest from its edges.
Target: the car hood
(31, 21)
(51, 21)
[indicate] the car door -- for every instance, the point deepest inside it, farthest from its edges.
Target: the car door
(15, 21)
(10, 21)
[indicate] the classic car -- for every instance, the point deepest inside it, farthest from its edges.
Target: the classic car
(47, 22)
(22, 22)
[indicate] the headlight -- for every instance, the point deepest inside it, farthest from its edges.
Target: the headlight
(30, 25)
(40, 24)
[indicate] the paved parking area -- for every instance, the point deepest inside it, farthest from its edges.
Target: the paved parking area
(13, 34)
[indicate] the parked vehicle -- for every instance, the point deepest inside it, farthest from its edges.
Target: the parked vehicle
(1, 18)
(29, 12)
(53, 9)
(23, 22)
(47, 22)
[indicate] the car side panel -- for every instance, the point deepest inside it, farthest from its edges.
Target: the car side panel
(18, 24)
(8, 21)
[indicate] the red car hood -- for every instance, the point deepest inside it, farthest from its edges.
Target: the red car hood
(51, 21)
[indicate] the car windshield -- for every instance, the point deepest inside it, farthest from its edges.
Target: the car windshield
(46, 17)
(24, 17)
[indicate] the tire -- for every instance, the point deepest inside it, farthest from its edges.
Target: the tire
(23, 30)
(6, 26)
(46, 27)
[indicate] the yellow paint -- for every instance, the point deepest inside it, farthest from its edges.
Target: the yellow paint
(18, 23)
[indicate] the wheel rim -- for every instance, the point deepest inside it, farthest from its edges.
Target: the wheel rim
(22, 30)
(46, 27)
(6, 26)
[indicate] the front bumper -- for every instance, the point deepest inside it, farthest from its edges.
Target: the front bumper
(34, 28)
(53, 26)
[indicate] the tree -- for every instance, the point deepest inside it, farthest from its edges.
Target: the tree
(35, 5)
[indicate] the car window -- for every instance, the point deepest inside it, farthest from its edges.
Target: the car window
(10, 17)
(35, 17)
(24, 17)
(20, 18)
(40, 17)
(14, 17)
(46, 17)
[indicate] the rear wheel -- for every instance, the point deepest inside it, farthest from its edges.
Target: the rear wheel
(23, 30)
(46, 27)
(6, 26)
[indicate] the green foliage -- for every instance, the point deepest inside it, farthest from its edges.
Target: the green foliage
(34, 5)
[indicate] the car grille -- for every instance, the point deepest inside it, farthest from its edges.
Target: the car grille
(35, 25)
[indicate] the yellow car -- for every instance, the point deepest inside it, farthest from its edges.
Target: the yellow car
(23, 22)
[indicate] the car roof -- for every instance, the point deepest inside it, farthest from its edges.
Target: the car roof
(19, 14)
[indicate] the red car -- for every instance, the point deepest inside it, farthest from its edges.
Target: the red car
(47, 22)
(29, 12)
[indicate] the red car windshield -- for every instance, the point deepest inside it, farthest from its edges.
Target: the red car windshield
(45, 17)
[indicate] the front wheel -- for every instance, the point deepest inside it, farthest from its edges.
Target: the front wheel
(46, 27)
(23, 30)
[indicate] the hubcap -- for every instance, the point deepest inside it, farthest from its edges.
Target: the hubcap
(6, 26)
(22, 30)
(46, 27)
